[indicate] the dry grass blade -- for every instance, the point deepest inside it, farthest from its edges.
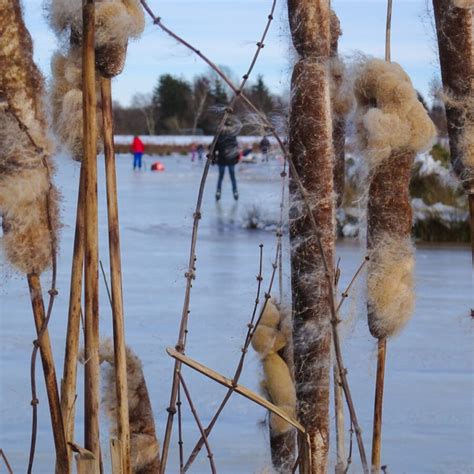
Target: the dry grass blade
(240, 389)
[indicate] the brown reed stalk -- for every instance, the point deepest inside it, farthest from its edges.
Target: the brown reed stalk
(310, 117)
(120, 364)
(191, 272)
(378, 406)
(91, 275)
(180, 431)
(454, 29)
(240, 389)
(43, 343)
(69, 379)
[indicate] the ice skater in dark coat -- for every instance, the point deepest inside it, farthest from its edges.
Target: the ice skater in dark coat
(226, 155)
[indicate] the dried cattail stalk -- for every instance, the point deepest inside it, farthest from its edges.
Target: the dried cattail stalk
(455, 30)
(28, 201)
(272, 336)
(392, 126)
(389, 116)
(116, 22)
(144, 444)
(310, 141)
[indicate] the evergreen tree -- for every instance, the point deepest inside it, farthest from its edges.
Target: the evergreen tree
(172, 99)
(260, 96)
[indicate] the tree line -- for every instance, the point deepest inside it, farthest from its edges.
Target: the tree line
(178, 106)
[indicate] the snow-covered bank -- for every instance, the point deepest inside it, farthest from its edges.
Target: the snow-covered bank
(184, 140)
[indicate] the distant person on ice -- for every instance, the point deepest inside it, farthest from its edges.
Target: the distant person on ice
(137, 149)
(264, 147)
(226, 154)
(200, 151)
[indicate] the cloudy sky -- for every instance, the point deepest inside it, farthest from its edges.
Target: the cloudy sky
(227, 30)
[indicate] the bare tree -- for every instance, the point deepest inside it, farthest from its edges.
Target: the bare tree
(144, 103)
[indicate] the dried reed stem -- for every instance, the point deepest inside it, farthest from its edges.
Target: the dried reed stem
(7, 464)
(198, 422)
(240, 389)
(43, 343)
(120, 364)
(378, 405)
(180, 432)
(69, 380)
(388, 30)
(92, 373)
(339, 417)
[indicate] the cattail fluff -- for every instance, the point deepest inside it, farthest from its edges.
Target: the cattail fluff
(144, 447)
(116, 21)
(270, 337)
(28, 201)
(392, 126)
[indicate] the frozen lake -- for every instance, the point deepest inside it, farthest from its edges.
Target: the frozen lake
(428, 413)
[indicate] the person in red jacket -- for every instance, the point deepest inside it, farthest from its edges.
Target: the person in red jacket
(137, 149)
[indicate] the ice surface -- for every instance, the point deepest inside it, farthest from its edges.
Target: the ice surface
(428, 417)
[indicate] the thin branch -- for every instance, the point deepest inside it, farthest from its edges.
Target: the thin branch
(345, 293)
(7, 464)
(198, 422)
(105, 282)
(349, 457)
(180, 432)
(388, 29)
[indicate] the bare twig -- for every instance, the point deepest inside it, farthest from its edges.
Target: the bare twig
(104, 276)
(180, 432)
(349, 457)
(345, 293)
(7, 464)
(198, 422)
(388, 29)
